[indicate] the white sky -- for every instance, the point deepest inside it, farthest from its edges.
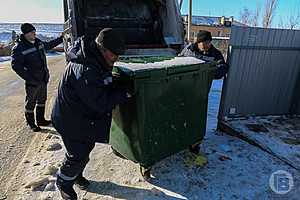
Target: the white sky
(31, 11)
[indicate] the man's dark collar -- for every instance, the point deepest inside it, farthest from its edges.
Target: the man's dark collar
(23, 39)
(91, 49)
(202, 52)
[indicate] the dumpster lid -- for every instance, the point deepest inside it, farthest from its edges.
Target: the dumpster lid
(143, 67)
(135, 64)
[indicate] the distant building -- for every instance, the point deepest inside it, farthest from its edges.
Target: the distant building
(220, 27)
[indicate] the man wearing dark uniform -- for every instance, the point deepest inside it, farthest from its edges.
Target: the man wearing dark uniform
(204, 50)
(29, 62)
(82, 112)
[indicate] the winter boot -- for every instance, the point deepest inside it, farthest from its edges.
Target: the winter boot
(81, 182)
(31, 123)
(40, 119)
(195, 149)
(66, 188)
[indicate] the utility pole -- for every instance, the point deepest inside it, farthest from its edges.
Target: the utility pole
(190, 20)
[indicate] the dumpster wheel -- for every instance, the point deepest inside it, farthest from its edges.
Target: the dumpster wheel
(146, 172)
(195, 149)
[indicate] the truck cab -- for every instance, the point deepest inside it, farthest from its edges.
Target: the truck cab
(149, 27)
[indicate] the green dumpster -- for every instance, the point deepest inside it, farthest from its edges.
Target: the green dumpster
(168, 111)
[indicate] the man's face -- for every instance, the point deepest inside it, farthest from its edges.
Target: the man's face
(204, 46)
(110, 58)
(30, 36)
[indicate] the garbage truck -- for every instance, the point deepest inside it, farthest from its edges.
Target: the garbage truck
(169, 108)
(144, 24)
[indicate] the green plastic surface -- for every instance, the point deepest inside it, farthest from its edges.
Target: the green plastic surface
(167, 114)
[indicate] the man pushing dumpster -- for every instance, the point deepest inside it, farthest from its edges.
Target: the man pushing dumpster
(82, 113)
(203, 49)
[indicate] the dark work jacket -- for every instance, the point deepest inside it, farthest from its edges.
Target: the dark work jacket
(213, 54)
(29, 60)
(86, 97)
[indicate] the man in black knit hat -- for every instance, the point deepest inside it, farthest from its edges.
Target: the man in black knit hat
(29, 62)
(82, 112)
(203, 49)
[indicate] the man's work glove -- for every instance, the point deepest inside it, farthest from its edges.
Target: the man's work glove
(222, 69)
(123, 83)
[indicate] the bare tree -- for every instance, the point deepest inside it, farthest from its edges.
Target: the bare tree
(252, 18)
(255, 18)
(291, 21)
(281, 23)
(269, 11)
(249, 17)
(294, 18)
(245, 16)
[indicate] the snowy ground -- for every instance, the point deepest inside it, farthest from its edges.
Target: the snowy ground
(235, 170)
(282, 134)
(4, 58)
(44, 31)
(15, 137)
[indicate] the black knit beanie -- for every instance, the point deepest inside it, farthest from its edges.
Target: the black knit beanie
(26, 28)
(111, 40)
(203, 36)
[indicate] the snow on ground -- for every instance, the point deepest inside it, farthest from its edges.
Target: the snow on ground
(44, 31)
(235, 170)
(282, 134)
(5, 37)
(4, 58)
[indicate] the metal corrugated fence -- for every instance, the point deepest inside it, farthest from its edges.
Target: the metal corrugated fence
(264, 69)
